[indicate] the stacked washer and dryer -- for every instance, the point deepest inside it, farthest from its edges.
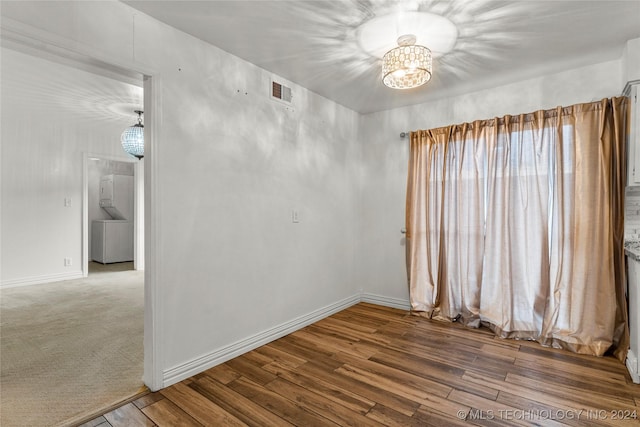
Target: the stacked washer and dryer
(112, 239)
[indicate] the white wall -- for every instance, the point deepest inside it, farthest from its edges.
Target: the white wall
(631, 61)
(231, 165)
(383, 177)
(42, 165)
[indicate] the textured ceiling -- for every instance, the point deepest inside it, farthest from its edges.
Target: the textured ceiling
(315, 43)
(31, 83)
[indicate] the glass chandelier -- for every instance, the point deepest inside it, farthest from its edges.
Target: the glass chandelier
(132, 138)
(406, 66)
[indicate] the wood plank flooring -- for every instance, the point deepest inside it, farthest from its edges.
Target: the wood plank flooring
(376, 366)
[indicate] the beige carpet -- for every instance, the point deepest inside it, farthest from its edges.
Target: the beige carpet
(69, 349)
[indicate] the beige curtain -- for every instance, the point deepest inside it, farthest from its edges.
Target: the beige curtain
(517, 223)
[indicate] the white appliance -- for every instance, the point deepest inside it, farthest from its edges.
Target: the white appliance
(112, 239)
(116, 196)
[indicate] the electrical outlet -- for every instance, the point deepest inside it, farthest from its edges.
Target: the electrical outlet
(67, 262)
(295, 216)
(67, 201)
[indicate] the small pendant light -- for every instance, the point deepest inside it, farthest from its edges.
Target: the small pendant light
(132, 138)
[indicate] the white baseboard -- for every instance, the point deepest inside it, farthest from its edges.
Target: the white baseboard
(195, 366)
(632, 367)
(37, 280)
(402, 304)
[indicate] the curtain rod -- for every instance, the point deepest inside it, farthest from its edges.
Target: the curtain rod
(404, 134)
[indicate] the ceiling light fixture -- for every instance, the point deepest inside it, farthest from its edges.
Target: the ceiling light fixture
(132, 138)
(406, 66)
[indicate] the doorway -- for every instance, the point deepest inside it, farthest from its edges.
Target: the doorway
(121, 245)
(54, 295)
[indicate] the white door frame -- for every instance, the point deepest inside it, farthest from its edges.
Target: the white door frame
(39, 42)
(138, 220)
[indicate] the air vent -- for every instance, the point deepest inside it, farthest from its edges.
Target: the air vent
(281, 92)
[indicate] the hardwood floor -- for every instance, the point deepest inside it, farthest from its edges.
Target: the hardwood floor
(372, 366)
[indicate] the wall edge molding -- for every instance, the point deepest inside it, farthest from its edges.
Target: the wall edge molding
(38, 280)
(400, 303)
(632, 367)
(221, 355)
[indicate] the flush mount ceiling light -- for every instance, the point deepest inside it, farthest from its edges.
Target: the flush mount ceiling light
(376, 36)
(132, 138)
(406, 66)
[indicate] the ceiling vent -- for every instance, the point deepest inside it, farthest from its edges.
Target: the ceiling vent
(280, 92)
